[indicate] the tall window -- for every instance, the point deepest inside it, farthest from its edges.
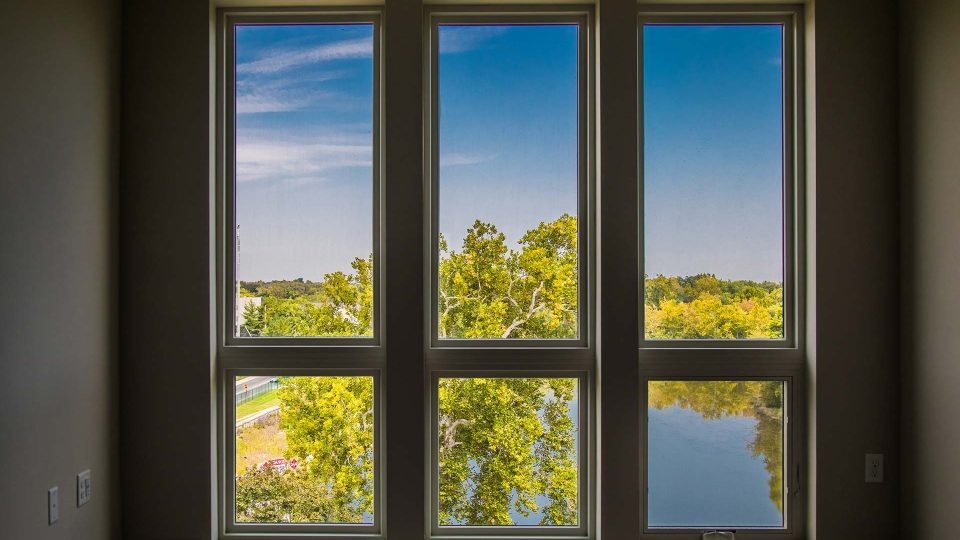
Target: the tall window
(300, 325)
(511, 256)
(719, 339)
(429, 295)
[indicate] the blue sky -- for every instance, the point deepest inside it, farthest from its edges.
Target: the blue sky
(508, 124)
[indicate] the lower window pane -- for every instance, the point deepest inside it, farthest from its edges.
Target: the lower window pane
(715, 454)
(508, 451)
(304, 449)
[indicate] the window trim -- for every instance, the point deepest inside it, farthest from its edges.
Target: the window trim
(311, 356)
(793, 184)
(582, 16)
(792, 451)
(228, 19)
(229, 526)
(782, 359)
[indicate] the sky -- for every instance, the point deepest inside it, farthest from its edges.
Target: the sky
(508, 143)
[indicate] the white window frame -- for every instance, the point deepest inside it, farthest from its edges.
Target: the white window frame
(548, 358)
(289, 356)
(229, 19)
(612, 361)
(776, 359)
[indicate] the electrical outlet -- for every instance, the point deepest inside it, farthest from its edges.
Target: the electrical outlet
(53, 506)
(83, 488)
(874, 468)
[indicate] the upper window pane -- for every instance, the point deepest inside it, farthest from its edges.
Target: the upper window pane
(508, 181)
(304, 180)
(713, 181)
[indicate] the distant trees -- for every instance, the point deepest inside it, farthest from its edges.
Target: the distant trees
(704, 307)
(506, 445)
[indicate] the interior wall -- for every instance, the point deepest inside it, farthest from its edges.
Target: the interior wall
(856, 272)
(930, 86)
(165, 334)
(58, 118)
(165, 295)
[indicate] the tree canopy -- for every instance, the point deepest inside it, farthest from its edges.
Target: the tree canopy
(507, 446)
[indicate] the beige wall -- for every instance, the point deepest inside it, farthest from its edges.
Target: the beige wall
(856, 261)
(58, 114)
(930, 100)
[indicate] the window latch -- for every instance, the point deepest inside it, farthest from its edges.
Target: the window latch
(718, 535)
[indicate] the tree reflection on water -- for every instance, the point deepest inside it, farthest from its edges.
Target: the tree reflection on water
(714, 400)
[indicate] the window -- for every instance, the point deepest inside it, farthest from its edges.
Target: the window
(300, 272)
(511, 360)
(721, 360)
(448, 278)
(305, 177)
(714, 181)
(510, 189)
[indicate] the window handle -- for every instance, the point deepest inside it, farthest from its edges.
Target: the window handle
(718, 535)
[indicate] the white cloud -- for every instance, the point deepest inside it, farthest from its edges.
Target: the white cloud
(261, 158)
(281, 95)
(452, 159)
(467, 39)
(284, 59)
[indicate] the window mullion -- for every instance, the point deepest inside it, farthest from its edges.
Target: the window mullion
(618, 284)
(403, 210)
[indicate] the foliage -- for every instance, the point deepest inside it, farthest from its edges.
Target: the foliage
(507, 445)
(488, 290)
(704, 307)
(340, 305)
(503, 442)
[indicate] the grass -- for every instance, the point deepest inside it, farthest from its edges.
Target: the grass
(263, 401)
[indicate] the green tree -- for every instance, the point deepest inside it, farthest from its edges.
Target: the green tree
(503, 442)
(488, 290)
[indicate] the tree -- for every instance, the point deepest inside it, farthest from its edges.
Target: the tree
(503, 442)
(488, 290)
(507, 446)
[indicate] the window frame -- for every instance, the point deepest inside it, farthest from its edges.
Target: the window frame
(290, 356)
(396, 358)
(514, 14)
(774, 359)
(228, 20)
(790, 18)
(585, 456)
(575, 357)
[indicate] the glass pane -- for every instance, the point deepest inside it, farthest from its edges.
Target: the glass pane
(508, 177)
(304, 449)
(713, 181)
(304, 180)
(715, 454)
(508, 451)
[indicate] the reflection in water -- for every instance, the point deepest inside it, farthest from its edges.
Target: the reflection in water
(716, 453)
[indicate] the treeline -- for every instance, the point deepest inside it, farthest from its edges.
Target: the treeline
(706, 307)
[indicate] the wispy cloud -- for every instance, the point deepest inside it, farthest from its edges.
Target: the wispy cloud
(264, 158)
(283, 59)
(452, 159)
(458, 39)
(281, 95)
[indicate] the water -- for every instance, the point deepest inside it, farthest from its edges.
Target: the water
(705, 472)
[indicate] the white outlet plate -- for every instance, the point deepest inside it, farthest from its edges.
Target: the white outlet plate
(53, 506)
(83, 488)
(874, 468)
